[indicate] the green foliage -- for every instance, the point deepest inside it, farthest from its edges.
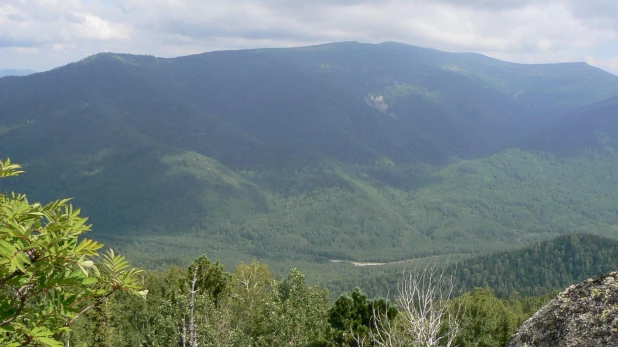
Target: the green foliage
(255, 309)
(47, 280)
(7, 169)
(250, 291)
(259, 310)
(155, 321)
(352, 316)
(296, 314)
(487, 321)
(211, 279)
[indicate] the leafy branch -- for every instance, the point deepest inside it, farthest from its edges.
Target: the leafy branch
(47, 277)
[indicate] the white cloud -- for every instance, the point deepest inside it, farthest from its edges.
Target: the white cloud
(518, 30)
(88, 26)
(610, 64)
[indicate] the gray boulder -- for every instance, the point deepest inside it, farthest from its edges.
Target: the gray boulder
(585, 314)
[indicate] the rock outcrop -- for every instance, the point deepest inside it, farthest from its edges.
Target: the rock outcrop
(585, 314)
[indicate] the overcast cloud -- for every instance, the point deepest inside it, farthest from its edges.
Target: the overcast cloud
(42, 34)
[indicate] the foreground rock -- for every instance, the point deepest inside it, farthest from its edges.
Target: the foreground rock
(585, 314)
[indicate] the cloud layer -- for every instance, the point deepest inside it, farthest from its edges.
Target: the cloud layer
(41, 34)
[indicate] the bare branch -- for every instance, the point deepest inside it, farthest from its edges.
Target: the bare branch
(425, 314)
(384, 334)
(360, 341)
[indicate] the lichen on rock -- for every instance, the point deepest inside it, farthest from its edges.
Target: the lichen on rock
(585, 314)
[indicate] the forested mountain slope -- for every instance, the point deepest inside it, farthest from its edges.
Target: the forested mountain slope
(338, 151)
(590, 128)
(537, 269)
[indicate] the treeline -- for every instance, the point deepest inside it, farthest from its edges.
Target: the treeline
(534, 270)
(206, 305)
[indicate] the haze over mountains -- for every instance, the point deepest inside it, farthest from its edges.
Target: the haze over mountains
(338, 151)
(15, 72)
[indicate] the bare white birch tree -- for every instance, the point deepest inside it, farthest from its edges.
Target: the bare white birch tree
(192, 325)
(426, 317)
(424, 302)
(385, 333)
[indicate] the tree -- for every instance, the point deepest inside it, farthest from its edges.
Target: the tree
(47, 277)
(209, 277)
(487, 321)
(249, 292)
(206, 284)
(426, 316)
(294, 315)
(352, 317)
(428, 319)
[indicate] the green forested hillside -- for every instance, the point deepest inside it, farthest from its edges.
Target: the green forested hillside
(542, 267)
(343, 151)
(590, 128)
(537, 269)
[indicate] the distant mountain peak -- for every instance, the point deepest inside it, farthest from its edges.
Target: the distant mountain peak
(15, 72)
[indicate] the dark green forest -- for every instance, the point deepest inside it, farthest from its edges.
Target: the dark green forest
(538, 269)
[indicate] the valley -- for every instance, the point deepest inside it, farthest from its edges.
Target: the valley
(369, 153)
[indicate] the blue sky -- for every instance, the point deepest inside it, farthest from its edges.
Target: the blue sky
(42, 34)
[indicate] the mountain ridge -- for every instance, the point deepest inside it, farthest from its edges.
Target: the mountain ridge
(341, 151)
(15, 72)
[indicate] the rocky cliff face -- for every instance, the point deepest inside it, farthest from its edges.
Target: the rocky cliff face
(585, 314)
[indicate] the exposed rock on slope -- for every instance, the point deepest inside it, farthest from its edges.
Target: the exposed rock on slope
(585, 314)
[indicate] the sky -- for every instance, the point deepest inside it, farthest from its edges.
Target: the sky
(43, 34)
